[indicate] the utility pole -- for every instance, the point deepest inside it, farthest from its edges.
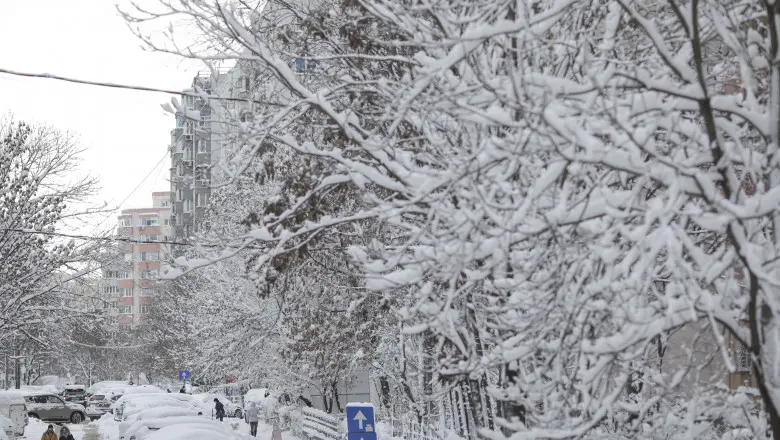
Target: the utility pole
(5, 382)
(18, 367)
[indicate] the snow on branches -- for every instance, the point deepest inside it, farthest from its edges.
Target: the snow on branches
(566, 187)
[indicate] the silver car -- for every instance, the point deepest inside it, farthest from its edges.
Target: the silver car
(49, 407)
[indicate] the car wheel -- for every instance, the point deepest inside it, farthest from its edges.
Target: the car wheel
(237, 414)
(76, 418)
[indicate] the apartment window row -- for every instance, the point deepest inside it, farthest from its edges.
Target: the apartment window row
(126, 291)
(150, 256)
(145, 308)
(149, 275)
(125, 310)
(149, 221)
(109, 289)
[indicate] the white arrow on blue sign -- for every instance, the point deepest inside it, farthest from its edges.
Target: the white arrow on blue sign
(184, 375)
(360, 419)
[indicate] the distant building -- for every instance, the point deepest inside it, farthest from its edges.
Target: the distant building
(193, 154)
(132, 282)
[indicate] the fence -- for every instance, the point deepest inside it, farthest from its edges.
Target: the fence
(321, 425)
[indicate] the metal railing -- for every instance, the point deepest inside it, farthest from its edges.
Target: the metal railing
(320, 425)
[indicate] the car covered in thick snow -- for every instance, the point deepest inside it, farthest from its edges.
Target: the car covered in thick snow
(134, 405)
(193, 431)
(143, 429)
(157, 413)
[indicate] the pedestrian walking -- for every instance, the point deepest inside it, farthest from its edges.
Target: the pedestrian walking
(253, 417)
(276, 433)
(65, 434)
(219, 409)
(49, 434)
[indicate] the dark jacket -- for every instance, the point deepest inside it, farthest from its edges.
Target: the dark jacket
(69, 437)
(219, 408)
(65, 434)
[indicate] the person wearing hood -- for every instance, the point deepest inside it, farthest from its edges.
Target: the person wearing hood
(219, 409)
(253, 417)
(65, 434)
(49, 434)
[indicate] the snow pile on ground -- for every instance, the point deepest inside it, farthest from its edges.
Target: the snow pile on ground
(35, 429)
(108, 428)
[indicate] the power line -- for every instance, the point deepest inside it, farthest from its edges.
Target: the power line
(131, 192)
(121, 239)
(131, 87)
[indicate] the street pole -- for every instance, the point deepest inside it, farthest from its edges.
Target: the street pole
(18, 368)
(5, 382)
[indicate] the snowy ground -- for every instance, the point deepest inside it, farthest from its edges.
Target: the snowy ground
(36, 428)
(108, 429)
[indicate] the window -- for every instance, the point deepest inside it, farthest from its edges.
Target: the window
(198, 201)
(150, 256)
(179, 195)
(200, 146)
(145, 309)
(126, 291)
(165, 204)
(187, 205)
(167, 222)
(149, 275)
(110, 289)
(110, 274)
(54, 400)
(125, 310)
(126, 221)
(152, 238)
(125, 275)
(188, 153)
(244, 81)
(149, 221)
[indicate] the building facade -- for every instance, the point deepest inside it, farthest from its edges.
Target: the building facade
(193, 152)
(132, 282)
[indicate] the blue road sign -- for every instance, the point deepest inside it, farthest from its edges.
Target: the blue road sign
(184, 375)
(361, 436)
(360, 419)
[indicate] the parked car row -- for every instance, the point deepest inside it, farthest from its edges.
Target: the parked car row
(167, 416)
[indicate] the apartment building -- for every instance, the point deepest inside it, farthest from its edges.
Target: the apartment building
(131, 283)
(194, 152)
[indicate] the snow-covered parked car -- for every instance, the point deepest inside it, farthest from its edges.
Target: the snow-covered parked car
(48, 407)
(137, 405)
(206, 401)
(156, 413)
(194, 431)
(142, 429)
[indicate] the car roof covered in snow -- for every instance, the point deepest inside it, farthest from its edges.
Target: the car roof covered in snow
(203, 422)
(192, 432)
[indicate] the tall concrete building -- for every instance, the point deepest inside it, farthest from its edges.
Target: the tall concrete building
(193, 151)
(132, 282)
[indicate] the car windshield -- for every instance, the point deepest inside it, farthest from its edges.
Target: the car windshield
(74, 392)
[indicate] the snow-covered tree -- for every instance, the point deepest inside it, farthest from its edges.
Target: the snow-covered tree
(568, 184)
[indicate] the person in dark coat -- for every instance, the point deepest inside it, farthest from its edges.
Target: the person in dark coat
(65, 434)
(219, 409)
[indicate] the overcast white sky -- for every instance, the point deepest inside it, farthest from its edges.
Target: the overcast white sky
(125, 132)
